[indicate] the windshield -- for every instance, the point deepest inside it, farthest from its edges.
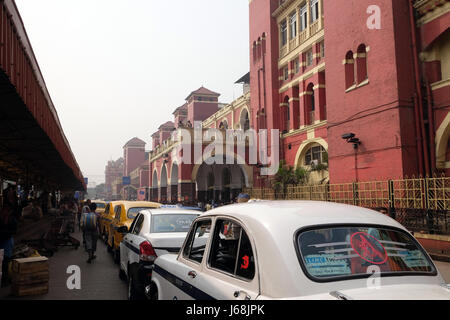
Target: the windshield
(133, 212)
(337, 252)
(100, 205)
(172, 222)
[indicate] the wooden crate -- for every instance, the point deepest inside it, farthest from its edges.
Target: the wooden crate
(30, 265)
(30, 276)
(29, 290)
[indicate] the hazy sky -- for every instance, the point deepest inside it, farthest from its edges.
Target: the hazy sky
(118, 69)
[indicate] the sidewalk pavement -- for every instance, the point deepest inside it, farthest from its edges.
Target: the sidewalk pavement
(99, 280)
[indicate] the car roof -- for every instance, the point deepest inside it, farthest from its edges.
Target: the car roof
(137, 204)
(162, 211)
(273, 225)
(302, 213)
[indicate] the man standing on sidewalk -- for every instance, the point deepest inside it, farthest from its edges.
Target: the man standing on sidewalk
(89, 225)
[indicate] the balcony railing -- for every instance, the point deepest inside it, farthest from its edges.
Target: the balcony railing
(303, 36)
(314, 28)
(283, 51)
(293, 43)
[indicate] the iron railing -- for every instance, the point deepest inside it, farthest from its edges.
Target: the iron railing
(421, 204)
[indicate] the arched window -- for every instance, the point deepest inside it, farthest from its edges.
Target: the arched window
(361, 63)
(258, 49)
(286, 114)
(315, 155)
(245, 120)
(349, 70)
(310, 103)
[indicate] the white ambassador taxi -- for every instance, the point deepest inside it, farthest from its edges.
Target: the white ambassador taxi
(154, 232)
(297, 250)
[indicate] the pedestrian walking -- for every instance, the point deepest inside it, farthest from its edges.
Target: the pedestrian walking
(89, 224)
(86, 209)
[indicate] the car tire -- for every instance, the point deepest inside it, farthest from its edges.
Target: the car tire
(110, 248)
(122, 275)
(153, 292)
(133, 294)
(116, 256)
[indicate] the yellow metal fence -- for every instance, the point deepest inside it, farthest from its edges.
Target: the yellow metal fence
(422, 203)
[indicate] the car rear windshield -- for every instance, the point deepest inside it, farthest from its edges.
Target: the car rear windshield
(133, 212)
(100, 205)
(329, 254)
(171, 222)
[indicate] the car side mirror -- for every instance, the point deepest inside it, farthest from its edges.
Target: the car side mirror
(122, 229)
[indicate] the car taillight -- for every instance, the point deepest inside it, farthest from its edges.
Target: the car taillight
(147, 253)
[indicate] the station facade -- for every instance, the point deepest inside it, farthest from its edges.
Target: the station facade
(358, 92)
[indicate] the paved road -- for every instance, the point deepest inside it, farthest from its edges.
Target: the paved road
(99, 280)
(444, 269)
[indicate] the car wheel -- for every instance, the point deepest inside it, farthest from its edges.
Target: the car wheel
(122, 275)
(110, 249)
(153, 292)
(133, 294)
(116, 256)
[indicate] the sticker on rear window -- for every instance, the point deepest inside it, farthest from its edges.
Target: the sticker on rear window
(327, 264)
(368, 248)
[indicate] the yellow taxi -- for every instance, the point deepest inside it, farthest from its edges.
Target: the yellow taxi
(106, 218)
(101, 206)
(124, 213)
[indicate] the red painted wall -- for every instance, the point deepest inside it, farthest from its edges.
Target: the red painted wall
(380, 113)
(133, 158)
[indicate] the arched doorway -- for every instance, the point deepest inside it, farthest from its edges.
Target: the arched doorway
(174, 183)
(220, 182)
(163, 185)
(443, 145)
(154, 190)
(313, 156)
(226, 183)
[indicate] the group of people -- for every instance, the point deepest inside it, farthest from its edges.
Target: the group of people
(241, 198)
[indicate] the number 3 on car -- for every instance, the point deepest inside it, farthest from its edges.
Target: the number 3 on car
(218, 263)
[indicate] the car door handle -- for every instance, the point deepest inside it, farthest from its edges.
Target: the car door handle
(238, 293)
(192, 274)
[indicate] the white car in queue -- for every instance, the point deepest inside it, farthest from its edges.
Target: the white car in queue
(297, 250)
(153, 233)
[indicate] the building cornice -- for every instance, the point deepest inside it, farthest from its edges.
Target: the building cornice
(304, 129)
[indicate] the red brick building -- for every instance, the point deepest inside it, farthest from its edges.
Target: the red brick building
(113, 171)
(361, 87)
(319, 70)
